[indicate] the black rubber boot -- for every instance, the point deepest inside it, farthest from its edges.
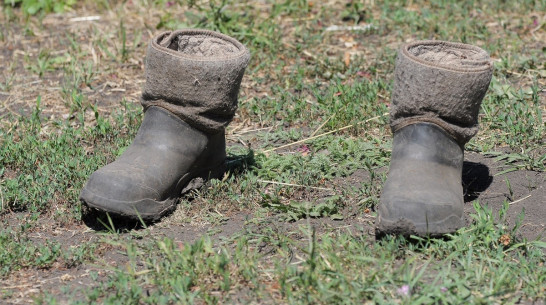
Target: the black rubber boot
(166, 158)
(193, 78)
(436, 97)
(423, 194)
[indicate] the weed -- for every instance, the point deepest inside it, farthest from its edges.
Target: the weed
(47, 165)
(355, 11)
(17, 251)
(43, 64)
(8, 78)
(294, 211)
(32, 7)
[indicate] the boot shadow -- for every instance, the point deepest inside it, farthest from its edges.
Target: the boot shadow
(98, 220)
(102, 221)
(476, 179)
(238, 164)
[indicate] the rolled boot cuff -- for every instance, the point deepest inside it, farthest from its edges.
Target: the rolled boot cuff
(442, 83)
(461, 134)
(196, 75)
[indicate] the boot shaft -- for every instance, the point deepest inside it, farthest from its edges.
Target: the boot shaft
(442, 83)
(196, 75)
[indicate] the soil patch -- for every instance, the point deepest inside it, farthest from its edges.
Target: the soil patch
(525, 192)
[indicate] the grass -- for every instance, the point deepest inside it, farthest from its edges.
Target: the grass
(474, 266)
(288, 223)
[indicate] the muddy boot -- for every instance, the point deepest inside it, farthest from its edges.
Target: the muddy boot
(192, 82)
(436, 98)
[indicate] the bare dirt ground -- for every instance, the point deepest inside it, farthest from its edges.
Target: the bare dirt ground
(524, 190)
(528, 193)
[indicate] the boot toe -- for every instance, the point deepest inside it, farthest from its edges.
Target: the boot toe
(428, 203)
(119, 192)
(407, 216)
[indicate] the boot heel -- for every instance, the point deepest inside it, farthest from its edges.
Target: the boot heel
(200, 179)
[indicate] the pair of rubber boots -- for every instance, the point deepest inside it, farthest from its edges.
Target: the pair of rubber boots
(192, 82)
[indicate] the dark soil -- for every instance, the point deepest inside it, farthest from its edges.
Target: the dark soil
(527, 193)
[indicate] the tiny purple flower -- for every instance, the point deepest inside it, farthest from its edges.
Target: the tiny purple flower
(304, 150)
(443, 289)
(169, 3)
(404, 290)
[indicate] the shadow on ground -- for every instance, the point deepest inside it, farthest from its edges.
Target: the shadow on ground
(476, 179)
(524, 190)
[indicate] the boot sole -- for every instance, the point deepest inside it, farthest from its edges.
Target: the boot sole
(151, 210)
(406, 227)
